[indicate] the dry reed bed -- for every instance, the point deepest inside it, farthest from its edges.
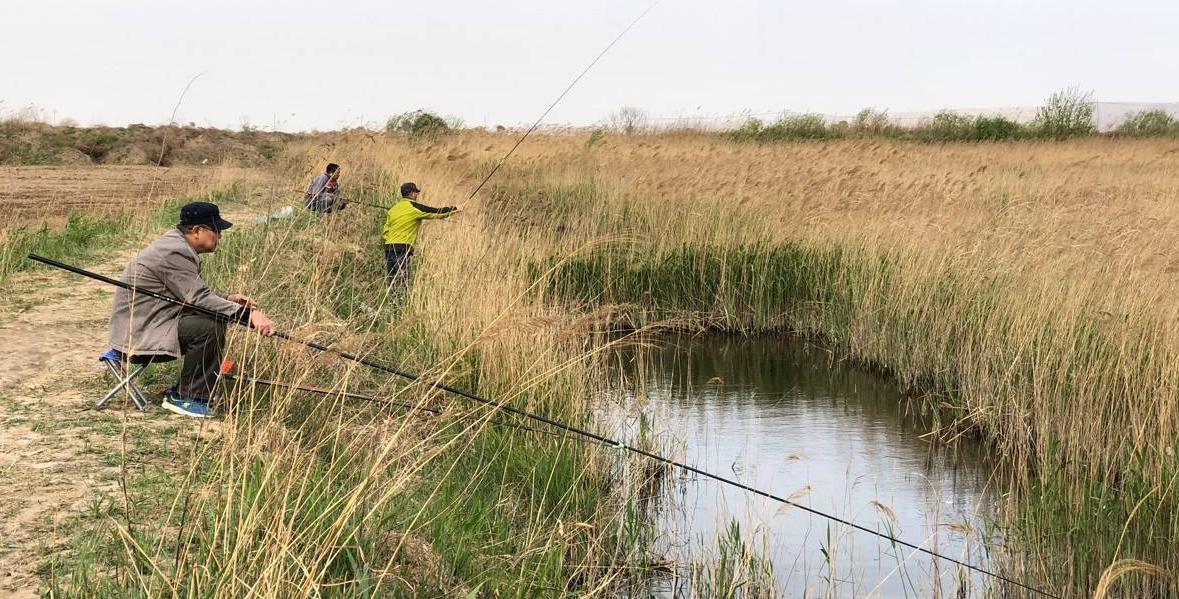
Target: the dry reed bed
(463, 323)
(1065, 240)
(1030, 286)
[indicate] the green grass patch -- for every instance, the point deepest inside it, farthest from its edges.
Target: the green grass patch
(85, 237)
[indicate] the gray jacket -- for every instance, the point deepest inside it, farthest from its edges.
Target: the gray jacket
(144, 325)
(314, 191)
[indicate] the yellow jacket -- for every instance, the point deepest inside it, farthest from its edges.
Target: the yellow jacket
(405, 217)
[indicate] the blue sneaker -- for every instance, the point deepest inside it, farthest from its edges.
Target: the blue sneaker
(186, 406)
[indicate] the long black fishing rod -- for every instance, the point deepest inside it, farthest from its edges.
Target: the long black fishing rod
(362, 203)
(546, 420)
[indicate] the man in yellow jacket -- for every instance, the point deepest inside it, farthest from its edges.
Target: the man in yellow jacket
(401, 232)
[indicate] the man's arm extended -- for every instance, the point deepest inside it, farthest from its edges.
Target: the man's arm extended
(432, 212)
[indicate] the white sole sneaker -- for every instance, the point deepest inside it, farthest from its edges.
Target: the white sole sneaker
(175, 409)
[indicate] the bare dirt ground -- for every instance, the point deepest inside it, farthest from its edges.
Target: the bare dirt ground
(51, 450)
(34, 194)
(59, 458)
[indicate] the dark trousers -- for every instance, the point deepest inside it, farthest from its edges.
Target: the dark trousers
(397, 258)
(202, 341)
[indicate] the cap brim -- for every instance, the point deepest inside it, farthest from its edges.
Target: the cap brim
(223, 224)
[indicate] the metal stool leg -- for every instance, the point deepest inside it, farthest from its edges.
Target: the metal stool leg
(123, 382)
(138, 395)
(115, 368)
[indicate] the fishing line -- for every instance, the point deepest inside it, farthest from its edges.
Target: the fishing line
(241, 319)
(558, 100)
(541, 118)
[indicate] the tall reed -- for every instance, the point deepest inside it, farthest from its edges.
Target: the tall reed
(1023, 288)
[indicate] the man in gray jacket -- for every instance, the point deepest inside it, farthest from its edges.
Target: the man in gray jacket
(323, 194)
(142, 325)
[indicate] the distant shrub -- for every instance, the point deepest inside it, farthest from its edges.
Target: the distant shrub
(1149, 123)
(748, 131)
(794, 126)
(1066, 113)
(841, 129)
(995, 128)
(37, 143)
(96, 143)
(419, 123)
(947, 126)
(799, 126)
(871, 121)
(596, 136)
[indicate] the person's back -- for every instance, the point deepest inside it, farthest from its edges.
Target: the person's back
(402, 224)
(404, 220)
(142, 325)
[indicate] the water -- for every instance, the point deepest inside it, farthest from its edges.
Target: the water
(782, 416)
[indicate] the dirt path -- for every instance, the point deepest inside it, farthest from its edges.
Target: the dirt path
(57, 456)
(51, 450)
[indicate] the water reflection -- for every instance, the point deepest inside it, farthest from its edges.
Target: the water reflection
(780, 415)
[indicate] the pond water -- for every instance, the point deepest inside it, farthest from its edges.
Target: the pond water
(783, 416)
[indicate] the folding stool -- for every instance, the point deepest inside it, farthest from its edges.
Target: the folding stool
(119, 365)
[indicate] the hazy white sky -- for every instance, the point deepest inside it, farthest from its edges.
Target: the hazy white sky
(330, 63)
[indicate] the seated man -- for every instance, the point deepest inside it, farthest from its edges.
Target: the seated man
(323, 195)
(143, 325)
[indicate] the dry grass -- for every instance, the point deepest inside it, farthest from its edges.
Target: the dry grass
(1066, 239)
(1028, 286)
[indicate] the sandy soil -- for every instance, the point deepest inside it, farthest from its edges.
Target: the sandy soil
(51, 455)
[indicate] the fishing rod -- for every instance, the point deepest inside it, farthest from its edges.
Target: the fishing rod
(353, 201)
(362, 203)
(242, 319)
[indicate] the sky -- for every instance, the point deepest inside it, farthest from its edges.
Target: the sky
(299, 65)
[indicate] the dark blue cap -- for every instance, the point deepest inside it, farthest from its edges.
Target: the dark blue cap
(203, 213)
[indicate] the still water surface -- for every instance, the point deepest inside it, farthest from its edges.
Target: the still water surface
(783, 416)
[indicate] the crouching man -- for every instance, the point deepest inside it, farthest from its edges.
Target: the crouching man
(142, 325)
(323, 194)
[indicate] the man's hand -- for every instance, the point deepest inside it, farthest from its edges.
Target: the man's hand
(458, 207)
(237, 298)
(261, 323)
